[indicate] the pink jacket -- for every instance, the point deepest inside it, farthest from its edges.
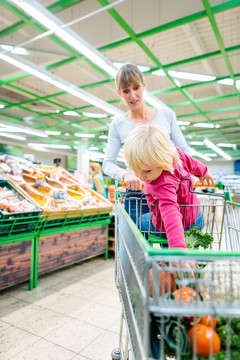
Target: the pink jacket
(167, 195)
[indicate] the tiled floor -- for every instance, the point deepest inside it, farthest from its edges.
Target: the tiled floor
(74, 313)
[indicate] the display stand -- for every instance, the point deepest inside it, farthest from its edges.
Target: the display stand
(52, 244)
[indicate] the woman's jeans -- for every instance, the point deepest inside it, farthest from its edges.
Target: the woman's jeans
(135, 204)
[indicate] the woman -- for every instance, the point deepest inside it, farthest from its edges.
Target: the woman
(98, 182)
(130, 86)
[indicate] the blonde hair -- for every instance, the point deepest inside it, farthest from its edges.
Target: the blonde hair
(127, 75)
(147, 144)
(96, 167)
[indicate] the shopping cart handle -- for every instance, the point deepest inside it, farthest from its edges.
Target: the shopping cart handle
(122, 183)
(219, 184)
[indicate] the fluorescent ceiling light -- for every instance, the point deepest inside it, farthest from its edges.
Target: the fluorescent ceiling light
(159, 72)
(15, 50)
(229, 82)
(33, 132)
(185, 75)
(23, 129)
(51, 22)
(94, 115)
(191, 76)
(52, 146)
(204, 125)
(84, 135)
(226, 145)
(13, 136)
(211, 155)
(50, 132)
(59, 83)
(2, 106)
(70, 113)
(184, 123)
(93, 148)
(103, 137)
(197, 143)
(209, 144)
(67, 134)
(142, 68)
(10, 129)
(202, 156)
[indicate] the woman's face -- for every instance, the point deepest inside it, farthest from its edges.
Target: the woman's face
(133, 95)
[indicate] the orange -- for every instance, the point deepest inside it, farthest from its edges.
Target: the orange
(204, 340)
(166, 282)
(185, 294)
(208, 320)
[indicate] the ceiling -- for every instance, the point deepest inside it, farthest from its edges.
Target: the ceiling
(200, 36)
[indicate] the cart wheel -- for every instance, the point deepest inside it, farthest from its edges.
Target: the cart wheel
(116, 354)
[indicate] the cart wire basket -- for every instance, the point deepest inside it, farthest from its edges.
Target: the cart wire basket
(168, 312)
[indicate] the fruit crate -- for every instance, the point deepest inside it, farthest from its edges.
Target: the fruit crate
(18, 223)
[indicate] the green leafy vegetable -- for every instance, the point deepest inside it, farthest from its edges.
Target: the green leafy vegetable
(222, 355)
(195, 238)
(229, 333)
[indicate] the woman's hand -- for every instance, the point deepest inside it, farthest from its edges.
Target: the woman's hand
(133, 183)
(207, 178)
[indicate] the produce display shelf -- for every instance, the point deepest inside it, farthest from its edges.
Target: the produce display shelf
(33, 243)
(18, 223)
(59, 222)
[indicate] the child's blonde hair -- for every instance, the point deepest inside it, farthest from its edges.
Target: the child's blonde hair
(147, 144)
(127, 75)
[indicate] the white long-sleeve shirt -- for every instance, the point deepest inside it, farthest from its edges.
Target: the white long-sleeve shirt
(121, 127)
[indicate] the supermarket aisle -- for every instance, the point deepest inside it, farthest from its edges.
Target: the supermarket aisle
(74, 313)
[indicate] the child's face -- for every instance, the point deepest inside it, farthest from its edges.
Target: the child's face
(148, 173)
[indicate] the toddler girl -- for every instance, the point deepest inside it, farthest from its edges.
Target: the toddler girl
(163, 169)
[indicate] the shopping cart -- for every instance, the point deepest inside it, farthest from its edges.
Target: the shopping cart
(157, 326)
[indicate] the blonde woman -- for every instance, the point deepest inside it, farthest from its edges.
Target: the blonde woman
(164, 168)
(130, 86)
(98, 182)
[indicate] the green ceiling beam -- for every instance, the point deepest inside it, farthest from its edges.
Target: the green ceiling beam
(219, 39)
(47, 67)
(164, 91)
(40, 28)
(54, 8)
(201, 100)
(147, 51)
(214, 134)
(201, 57)
(199, 130)
(233, 108)
(185, 20)
(47, 97)
(227, 119)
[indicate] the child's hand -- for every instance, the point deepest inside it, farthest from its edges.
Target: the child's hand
(207, 178)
